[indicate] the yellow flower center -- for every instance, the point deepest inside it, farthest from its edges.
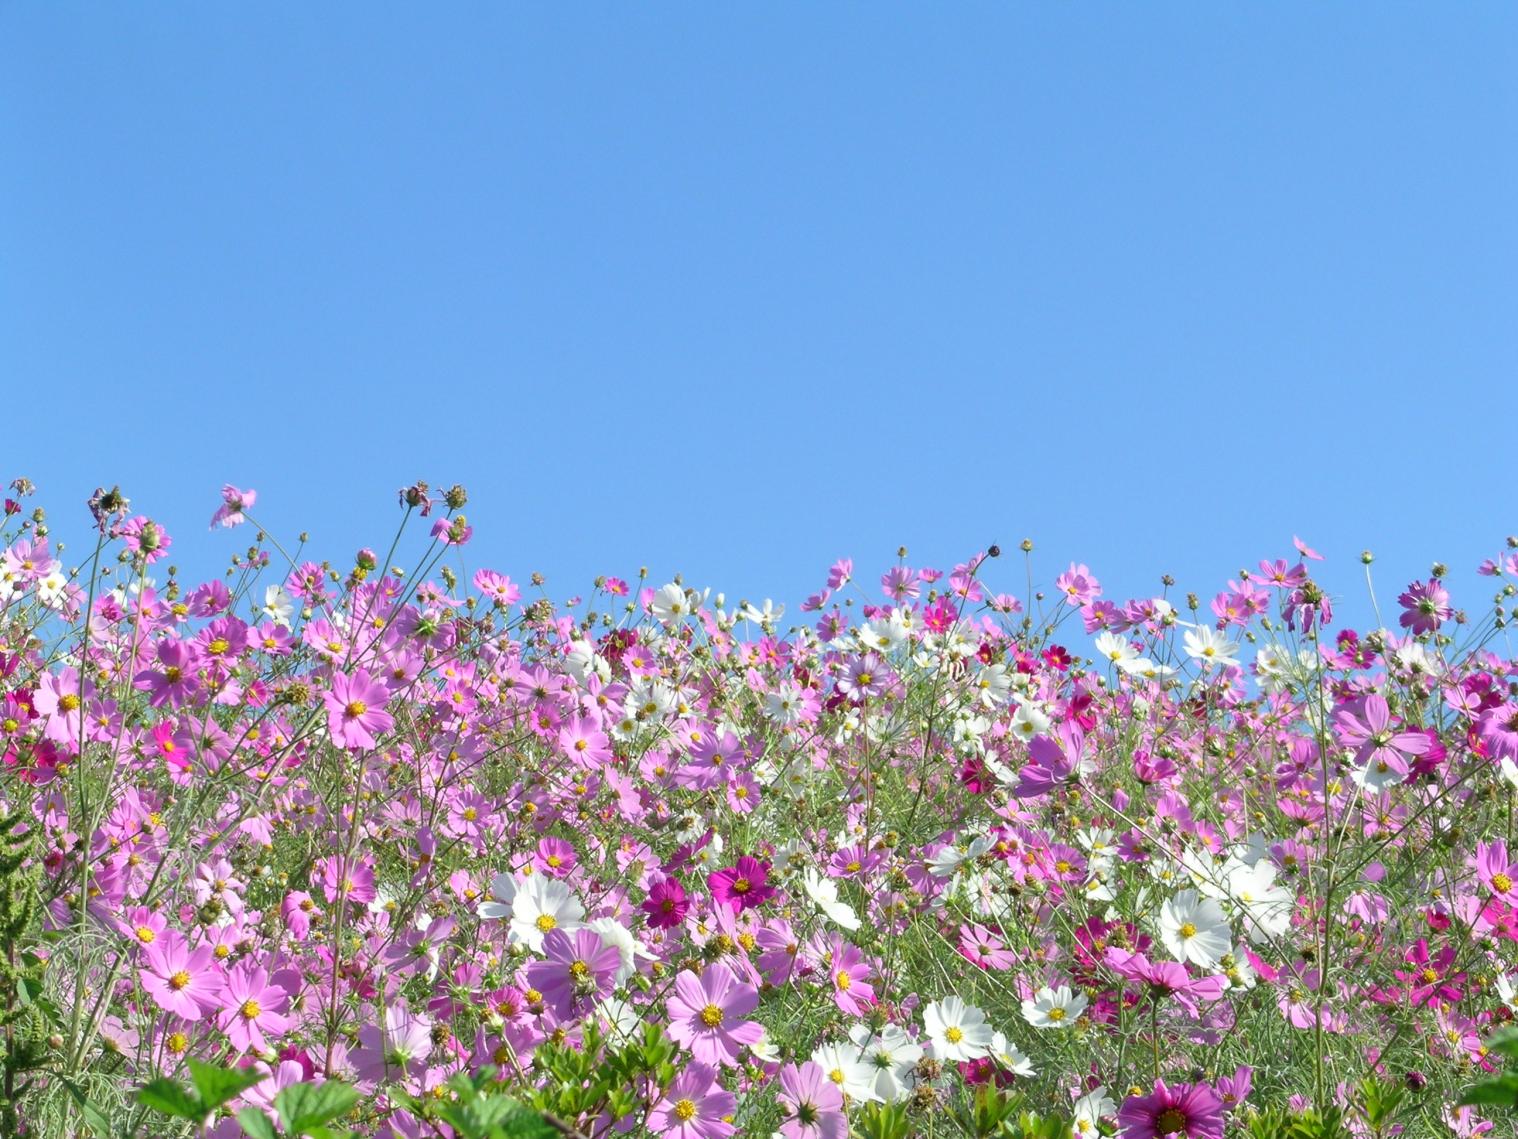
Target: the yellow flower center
(146, 935)
(250, 1010)
(546, 922)
(179, 980)
(1171, 1121)
(356, 708)
(68, 702)
(1501, 883)
(177, 1043)
(844, 980)
(685, 1110)
(1188, 930)
(579, 969)
(711, 1016)
(954, 1034)
(1056, 1014)
(218, 646)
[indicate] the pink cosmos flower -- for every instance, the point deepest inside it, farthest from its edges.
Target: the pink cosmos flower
(850, 974)
(813, 1103)
(395, 1050)
(356, 710)
(1497, 872)
(692, 1107)
(233, 503)
(705, 1015)
(1190, 1110)
(1425, 606)
(1375, 739)
(742, 887)
(181, 980)
(1078, 584)
(580, 969)
(251, 1007)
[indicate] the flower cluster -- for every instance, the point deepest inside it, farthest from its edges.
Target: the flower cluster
(1155, 866)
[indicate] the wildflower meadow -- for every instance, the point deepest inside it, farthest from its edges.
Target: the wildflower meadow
(394, 845)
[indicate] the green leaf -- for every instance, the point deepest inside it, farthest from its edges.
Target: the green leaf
(168, 1098)
(256, 1124)
(218, 1085)
(1505, 1043)
(304, 1106)
(92, 1114)
(1501, 1091)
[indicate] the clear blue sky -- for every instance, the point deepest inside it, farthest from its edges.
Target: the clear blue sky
(739, 289)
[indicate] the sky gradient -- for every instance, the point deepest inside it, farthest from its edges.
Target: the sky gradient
(739, 291)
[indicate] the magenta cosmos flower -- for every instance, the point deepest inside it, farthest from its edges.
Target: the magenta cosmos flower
(813, 1103)
(706, 1015)
(742, 887)
(666, 904)
(181, 980)
(1189, 1110)
(356, 709)
(693, 1107)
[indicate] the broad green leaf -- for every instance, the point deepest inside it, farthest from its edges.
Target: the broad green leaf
(219, 1085)
(304, 1106)
(1502, 1091)
(256, 1124)
(92, 1114)
(168, 1098)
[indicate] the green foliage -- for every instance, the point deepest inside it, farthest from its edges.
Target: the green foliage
(1500, 1090)
(303, 1109)
(23, 1042)
(480, 1110)
(1279, 1123)
(1380, 1102)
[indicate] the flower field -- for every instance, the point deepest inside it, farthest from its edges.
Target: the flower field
(403, 847)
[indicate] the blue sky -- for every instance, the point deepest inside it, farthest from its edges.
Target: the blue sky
(736, 291)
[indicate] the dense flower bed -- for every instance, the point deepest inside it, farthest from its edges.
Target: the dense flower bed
(939, 860)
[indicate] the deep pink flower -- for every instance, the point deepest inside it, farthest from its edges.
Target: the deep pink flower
(1190, 1110)
(666, 905)
(742, 887)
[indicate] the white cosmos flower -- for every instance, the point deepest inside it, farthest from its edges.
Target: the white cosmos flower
(1089, 1109)
(957, 1031)
(1054, 1008)
(614, 933)
(1005, 1053)
(1194, 929)
(670, 603)
(542, 904)
(1029, 721)
(891, 1056)
(278, 605)
(1207, 645)
(824, 892)
(503, 891)
(51, 588)
(1115, 648)
(1146, 668)
(844, 1067)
